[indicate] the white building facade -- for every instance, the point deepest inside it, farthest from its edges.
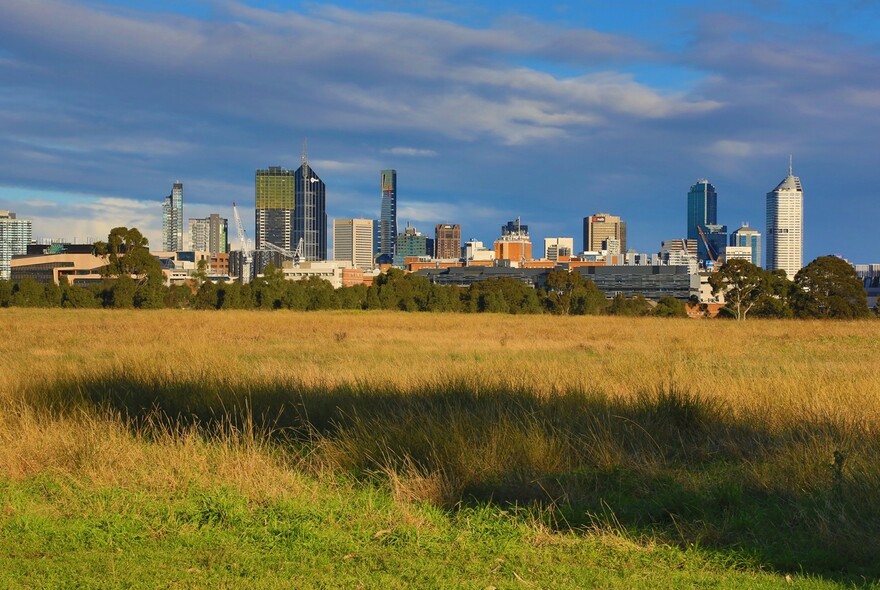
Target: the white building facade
(353, 242)
(15, 235)
(785, 222)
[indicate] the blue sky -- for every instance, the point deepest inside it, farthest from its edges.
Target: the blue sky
(550, 112)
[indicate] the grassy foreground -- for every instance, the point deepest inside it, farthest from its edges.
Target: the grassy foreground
(257, 449)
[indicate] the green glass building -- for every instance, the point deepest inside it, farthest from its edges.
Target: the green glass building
(274, 197)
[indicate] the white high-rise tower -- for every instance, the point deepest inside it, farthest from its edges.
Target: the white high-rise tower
(785, 222)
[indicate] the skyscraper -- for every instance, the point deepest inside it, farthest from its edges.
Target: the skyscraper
(388, 217)
(172, 220)
(702, 211)
(274, 199)
(748, 237)
(15, 235)
(601, 227)
(785, 220)
(310, 212)
(447, 241)
(353, 242)
(210, 234)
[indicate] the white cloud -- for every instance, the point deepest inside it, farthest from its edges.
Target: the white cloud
(410, 151)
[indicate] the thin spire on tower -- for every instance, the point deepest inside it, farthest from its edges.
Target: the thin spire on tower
(789, 165)
(305, 152)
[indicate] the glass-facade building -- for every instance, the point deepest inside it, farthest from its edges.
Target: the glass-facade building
(310, 213)
(172, 220)
(388, 214)
(412, 243)
(747, 237)
(274, 200)
(702, 211)
(716, 235)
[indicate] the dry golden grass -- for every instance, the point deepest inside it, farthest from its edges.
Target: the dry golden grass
(786, 370)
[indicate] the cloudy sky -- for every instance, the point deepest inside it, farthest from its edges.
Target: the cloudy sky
(488, 111)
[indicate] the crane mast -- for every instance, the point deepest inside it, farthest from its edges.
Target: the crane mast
(246, 248)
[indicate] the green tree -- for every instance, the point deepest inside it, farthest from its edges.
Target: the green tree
(570, 293)
(76, 296)
(743, 285)
(321, 294)
(776, 302)
(127, 254)
(178, 297)
(28, 293)
(670, 307)
(270, 289)
(206, 296)
(636, 305)
(233, 296)
(443, 298)
(121, 292)
(502, 295)
(354, 297)
(5, 293)
(828, 287)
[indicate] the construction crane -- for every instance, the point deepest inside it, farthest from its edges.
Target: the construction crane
(295, 256)
(247, 248)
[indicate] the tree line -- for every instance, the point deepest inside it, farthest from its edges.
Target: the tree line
(826, 288)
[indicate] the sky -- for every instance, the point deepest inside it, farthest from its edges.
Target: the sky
(488, 111)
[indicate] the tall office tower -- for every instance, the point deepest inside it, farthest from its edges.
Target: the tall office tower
(353, 242)
(388, 218)
(558, 248)
(600, 227)
(273, 217)
(210, 234)
(748, 237)
(785, 221)
(310, 212)
(15, 235)
(172, 220)
(447, 241)
(702, 211)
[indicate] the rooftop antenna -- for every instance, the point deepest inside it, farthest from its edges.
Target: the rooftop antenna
(789, 164)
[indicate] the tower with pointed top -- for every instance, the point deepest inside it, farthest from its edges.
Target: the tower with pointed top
(388, 214)
(310, 211)
(172, 219)
(785, 220)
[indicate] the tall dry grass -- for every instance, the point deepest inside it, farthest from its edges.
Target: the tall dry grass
(787, 371)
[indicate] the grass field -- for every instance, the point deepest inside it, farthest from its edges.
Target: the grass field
(255, 449)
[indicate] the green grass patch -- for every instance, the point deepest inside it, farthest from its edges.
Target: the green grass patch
(60, 533)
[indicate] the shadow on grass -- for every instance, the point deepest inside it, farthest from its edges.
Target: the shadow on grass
(800, 497)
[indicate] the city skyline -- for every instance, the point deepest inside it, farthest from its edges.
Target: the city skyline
(597, 109)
